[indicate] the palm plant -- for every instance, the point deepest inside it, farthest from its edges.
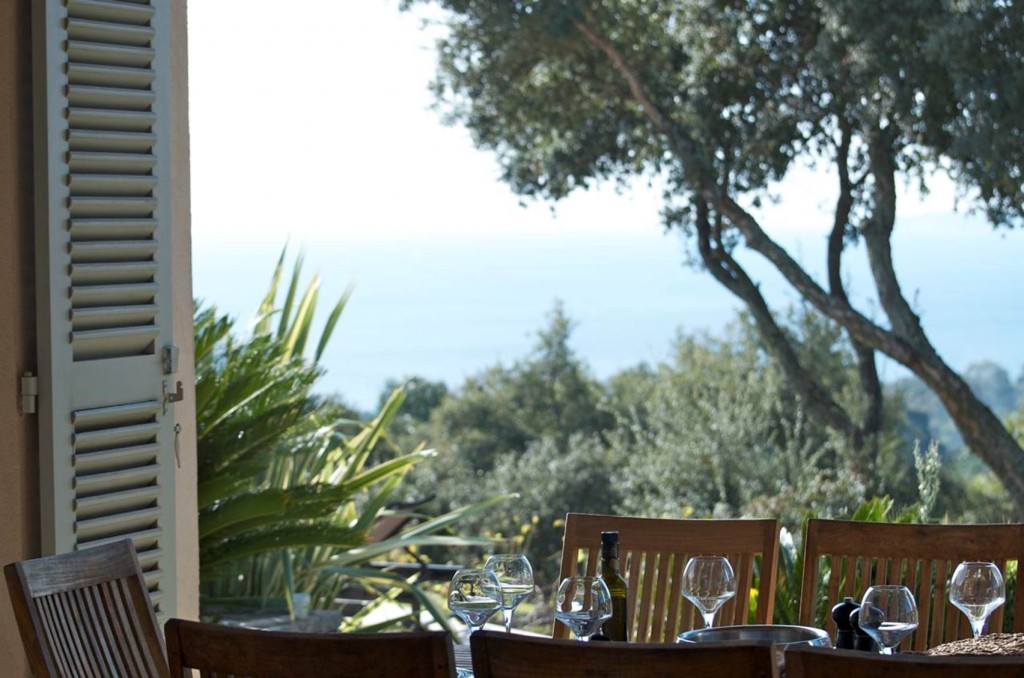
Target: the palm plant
(287, 495)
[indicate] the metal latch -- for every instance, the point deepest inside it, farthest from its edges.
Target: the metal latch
(29, 393)
(175, 395)
(169, 358)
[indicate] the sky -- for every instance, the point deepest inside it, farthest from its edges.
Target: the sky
(314, 129)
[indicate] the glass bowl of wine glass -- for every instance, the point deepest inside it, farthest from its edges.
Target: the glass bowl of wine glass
(708, 581)
(583, 604)
(977, 589)
(888, 613)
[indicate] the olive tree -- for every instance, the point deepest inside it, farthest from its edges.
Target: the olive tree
(720, 99)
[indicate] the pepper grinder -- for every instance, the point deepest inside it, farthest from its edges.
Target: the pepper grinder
(864, 642)
(846, 638)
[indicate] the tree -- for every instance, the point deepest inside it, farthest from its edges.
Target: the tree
(721, 98)
(717, 432)
(503, 409)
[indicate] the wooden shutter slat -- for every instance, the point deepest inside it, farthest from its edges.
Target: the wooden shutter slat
(89, 230)
(110, 140)
(107, 482)
(112, 272)
(113, 251)
(110, 98)
(110, 163)
(86, 206)
(109, 32)
(111, 184)
(121, 524)
(100, 295)
(111, 10)
(110, 119)
(109, 317)
(105, 460)
(110, 76)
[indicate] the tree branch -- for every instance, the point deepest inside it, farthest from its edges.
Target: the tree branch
(731, 275)
(867, 370)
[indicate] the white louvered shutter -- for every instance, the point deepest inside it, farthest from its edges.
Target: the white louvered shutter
(107, 440)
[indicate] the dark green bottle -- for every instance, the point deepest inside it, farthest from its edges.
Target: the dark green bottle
(616, 628)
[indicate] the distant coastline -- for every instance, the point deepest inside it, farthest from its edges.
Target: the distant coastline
(446, 308)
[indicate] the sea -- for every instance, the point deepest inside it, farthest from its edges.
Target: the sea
(445, 307)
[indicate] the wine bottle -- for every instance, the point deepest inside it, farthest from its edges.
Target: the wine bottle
(616, 628)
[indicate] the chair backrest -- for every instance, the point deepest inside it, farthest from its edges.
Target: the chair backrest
(652, 555)
(87, 613)
(502, 655)
(814, 662)
(857, 555)
(215, 650)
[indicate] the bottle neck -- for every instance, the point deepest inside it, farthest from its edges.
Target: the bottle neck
(609, 563)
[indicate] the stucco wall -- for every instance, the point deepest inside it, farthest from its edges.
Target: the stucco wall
(19, 474)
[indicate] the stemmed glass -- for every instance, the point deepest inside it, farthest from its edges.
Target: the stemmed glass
(583, 604)
(977, 589)
(515, 575)
(708, 581)
(888, 614)
(474, 595)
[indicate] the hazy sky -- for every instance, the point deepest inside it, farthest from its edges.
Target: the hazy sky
(312, 126)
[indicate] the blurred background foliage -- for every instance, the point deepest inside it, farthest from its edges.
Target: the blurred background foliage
(292, 481)
(712, 432)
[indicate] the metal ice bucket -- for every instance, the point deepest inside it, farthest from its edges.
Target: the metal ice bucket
(779, 634)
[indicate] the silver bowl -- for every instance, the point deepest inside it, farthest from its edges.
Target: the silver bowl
(779, 634)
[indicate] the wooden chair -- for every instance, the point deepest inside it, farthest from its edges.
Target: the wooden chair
(652, 555)
(814, 662)
(216, 650)
(87, 613)
(502, 655)
(857, 555)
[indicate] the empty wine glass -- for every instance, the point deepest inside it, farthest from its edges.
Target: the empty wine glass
(977, 589)
(515, 576)
(583, 604)
(888, 614)
(708, 581)
(474, 595)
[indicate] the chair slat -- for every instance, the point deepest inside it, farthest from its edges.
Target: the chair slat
(675, 598)
(661, 595)
(646, 585)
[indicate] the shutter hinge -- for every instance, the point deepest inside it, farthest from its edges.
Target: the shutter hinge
(169, 358)
(29, 393)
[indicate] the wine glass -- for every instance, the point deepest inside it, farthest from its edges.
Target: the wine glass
(474, 595)
(583, 604)
(708, 581)
(977, 589)
(515, 576)
(888, 614)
